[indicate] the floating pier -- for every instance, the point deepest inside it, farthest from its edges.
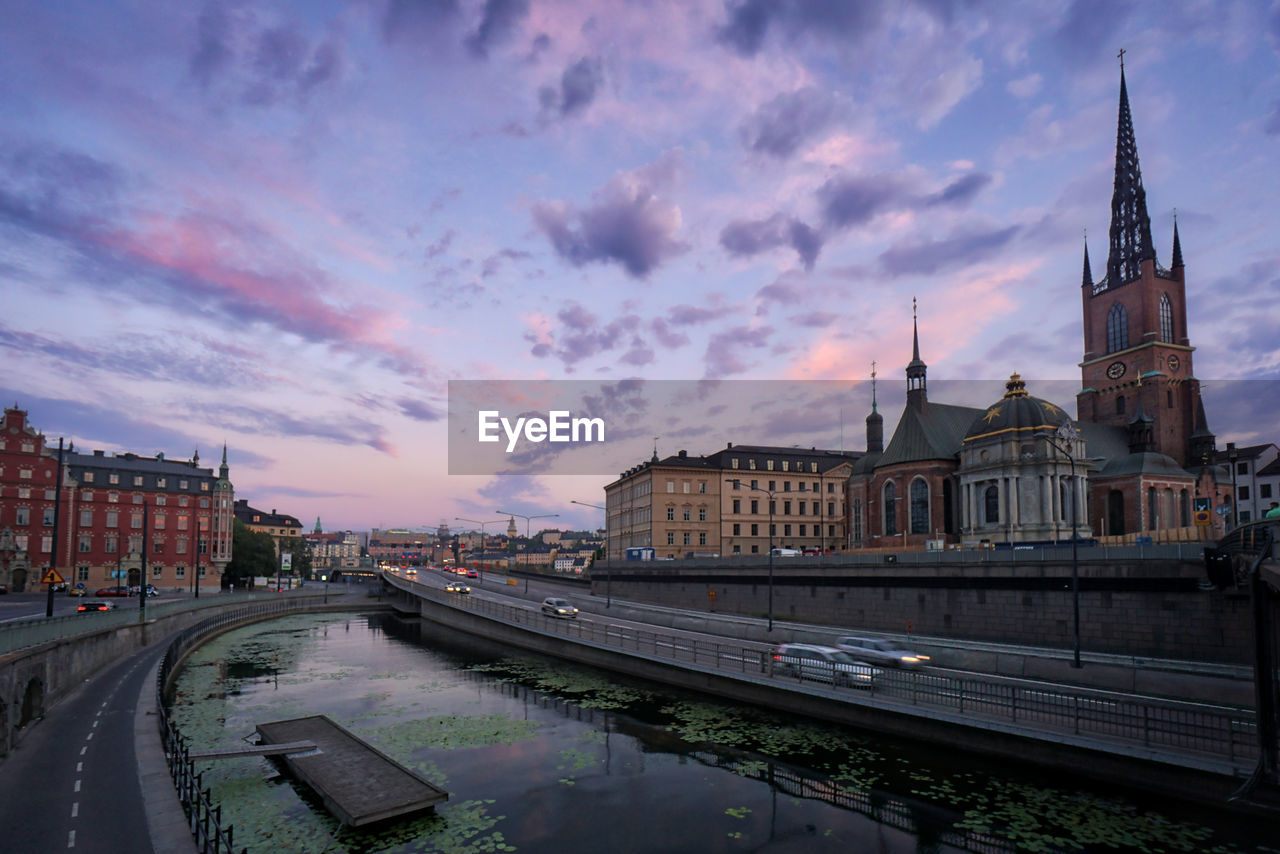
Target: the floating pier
(358, 783)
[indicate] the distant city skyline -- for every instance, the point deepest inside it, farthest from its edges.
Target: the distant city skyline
(286, 226)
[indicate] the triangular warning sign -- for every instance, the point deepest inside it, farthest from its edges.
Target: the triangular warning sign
(52, 577)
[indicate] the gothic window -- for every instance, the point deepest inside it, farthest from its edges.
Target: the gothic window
(919, 506)
(1117, 329)
(1120, 405)
(1166, 318)
(857, 520)
(890, 509)
(1184, 507)
(991, 500)
(1151, 508)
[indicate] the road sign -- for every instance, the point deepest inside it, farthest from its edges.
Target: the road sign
(1202, 503)
(1202, 517)
(52, 577)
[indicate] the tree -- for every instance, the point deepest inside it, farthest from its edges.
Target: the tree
(252, 553)
(301, 557)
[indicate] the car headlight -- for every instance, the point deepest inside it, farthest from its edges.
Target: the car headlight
(910, 659)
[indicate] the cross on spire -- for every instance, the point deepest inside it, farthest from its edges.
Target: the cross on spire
(1121, 55)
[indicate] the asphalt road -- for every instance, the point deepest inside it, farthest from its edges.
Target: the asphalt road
(72, 782)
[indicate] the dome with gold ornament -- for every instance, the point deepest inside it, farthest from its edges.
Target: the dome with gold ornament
(1017, 412)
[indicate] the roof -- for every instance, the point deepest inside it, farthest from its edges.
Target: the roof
(1017, 412)
(1147, 462)
(934, 433)
(246, 514)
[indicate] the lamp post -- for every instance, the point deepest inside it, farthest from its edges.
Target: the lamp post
(527, 520)
(1068, 434)
(769, 493)
(142, 573)
(57, 514)
(482, 538)
(1232, 456)
(608, 573)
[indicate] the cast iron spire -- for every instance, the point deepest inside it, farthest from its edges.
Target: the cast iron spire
(1177, 244)
(1130, 224)
(1087, 278)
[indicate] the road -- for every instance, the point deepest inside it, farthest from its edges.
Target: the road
(72, 784)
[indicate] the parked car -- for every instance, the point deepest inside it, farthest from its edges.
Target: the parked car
(457, 587)
(78, 590)
(786, 553)
(85, 607)
(112, 591)
(823, 664)
(60, 587)
(4, 588)
(880, 651)
(558, 607)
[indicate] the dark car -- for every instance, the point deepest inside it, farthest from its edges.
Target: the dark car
(4, 588)
(457, 587)
(112, 591)
(558, 607)
(95, 606)
(823, 664)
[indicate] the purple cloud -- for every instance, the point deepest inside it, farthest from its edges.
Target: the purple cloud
(578, 85)
(628, 222)
(850, 200)
(959, 250)
(751, 20)
(418, 410)
(960, 191)
(724, 349)
(750, 237)
(499, 19)
(581, 335)
(665, 336)
(419, 19)
(784, 123)
(692, 315)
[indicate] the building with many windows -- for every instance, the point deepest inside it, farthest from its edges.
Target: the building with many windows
(281, 527)
(119, 517)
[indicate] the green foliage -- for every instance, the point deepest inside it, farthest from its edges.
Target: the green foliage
(252, 553)
(301, 557)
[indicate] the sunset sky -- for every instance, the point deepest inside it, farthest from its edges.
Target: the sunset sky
(287, 225)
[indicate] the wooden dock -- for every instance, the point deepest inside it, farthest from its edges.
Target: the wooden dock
(358, 783)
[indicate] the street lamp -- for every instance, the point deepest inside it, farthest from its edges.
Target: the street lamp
(1068, 434)
(482, 538)
(1232, 456)
(608, 573)
(527, 520)
(736, 483)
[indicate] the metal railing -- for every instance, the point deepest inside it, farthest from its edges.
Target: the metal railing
(1223, 734)
(33, 631)
(204, 818)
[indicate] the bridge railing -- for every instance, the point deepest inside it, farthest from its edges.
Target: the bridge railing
(1225, 735)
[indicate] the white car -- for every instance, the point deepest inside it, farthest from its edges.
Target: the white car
(558, 607)
(823, 664)
(880, 651)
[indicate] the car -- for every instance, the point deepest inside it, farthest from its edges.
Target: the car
(823, 664)
(471, 573)
(78, 590)
(151, 590)
(60, 587)
(558, 607)
(112, 591)
(4, 588)
(880, 651)
(785, 552)
(85, 607)
(457, 587)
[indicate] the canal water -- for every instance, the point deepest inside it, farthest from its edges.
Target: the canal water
(542, 756)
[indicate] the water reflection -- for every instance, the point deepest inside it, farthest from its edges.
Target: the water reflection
(542, 756)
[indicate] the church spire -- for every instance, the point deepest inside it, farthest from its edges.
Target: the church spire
(1130, 224)
(916, 369)
(875, 421)
(1087, 279)
(1177, 244)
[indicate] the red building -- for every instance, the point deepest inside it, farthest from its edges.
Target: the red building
(117, 514)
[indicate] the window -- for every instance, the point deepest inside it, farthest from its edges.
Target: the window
(802, 530)
(160, 501)
(1151, 508)
(24, 492)
(813, 467)
(702, 514)
(702, 538)
(1169, 397)
(737, 529)
(671, 538)
(1166, 318)
(737, 550)
(113, 478)
(181, 546)
(157, 547)
(685, 486)
(831, 508)
(831, 530)
(1117, 329)
(733, 463)
(786, 530)
(857, 520)
(755, 484)
(48, 515)
(737, 505)
(113, 519)
(82, 573)
(1244, 493)
(157, 571)
(890, 494)
(180, 572)
(786, 508)
(84, 544)
(671, 487)
(769, 465)
(800, 507)
(755, 530)
(919, 506)
(23, 516)
(182, 523)
(755, 550)
(109, 545)
(28, 447)
(702, 487)
(46, 544)
(831, 487)
(182, 484)
(755, 505)
(137, 480)
(773, 486)
(991, 500)
(86, 518)
(137, 498)
(204, 502)
(204, 486)
(1242, 468)
(1264, 490)
(1120, 405)
(786, 465)
(25, 474)
(160, 482)
(671, 514)
(773, 506)
(686, 538)
(135, 521)
(751, 464)
(184, 501)
(113, 498)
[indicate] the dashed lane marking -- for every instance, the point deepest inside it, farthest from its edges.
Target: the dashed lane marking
(79, 767)
(89, 737)
(71, 839)
(75, 809)
(83, 749)
(77, 786)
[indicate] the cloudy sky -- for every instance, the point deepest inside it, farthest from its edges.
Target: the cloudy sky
(287, 225)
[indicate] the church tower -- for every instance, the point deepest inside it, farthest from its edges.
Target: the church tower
(917, 393)
(1137, 356)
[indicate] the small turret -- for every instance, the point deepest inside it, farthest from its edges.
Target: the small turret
(917, 395)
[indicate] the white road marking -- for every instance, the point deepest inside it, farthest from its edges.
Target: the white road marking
(75, 809)
(77, 786)
(79, 767)
(71, 839)
(95, 724)
(89, 737)
(83, 749)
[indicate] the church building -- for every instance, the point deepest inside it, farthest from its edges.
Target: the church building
(1140, 446)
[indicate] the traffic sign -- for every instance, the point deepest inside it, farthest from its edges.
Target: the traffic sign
(1202, 517)
(52, 577)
